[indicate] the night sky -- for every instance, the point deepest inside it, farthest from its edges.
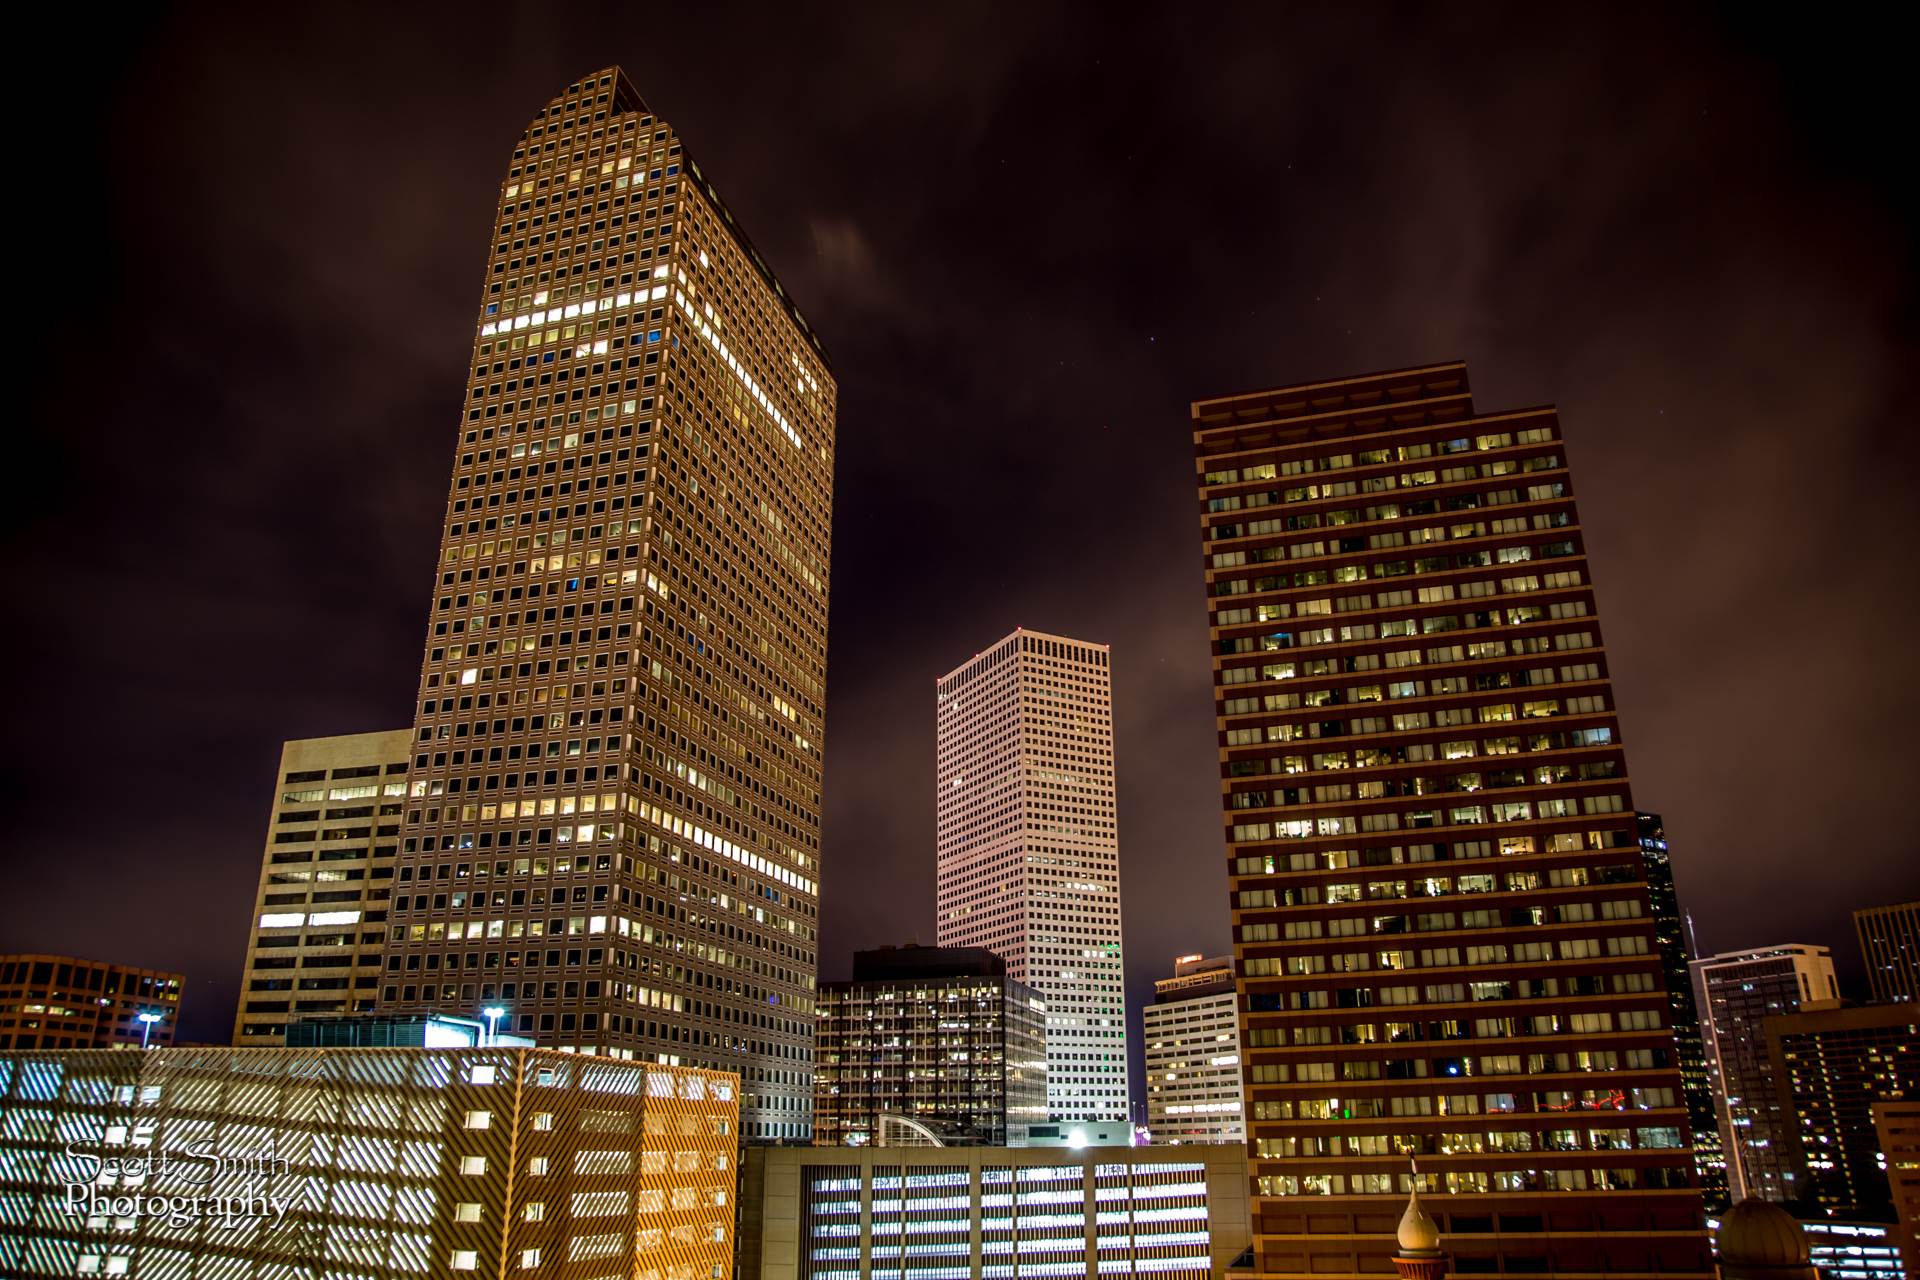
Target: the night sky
(249, 273)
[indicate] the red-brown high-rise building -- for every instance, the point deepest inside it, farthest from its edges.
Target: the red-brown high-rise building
(58, 1002)
(1440, 913)
(613, 820)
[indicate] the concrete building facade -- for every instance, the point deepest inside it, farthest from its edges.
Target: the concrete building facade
(1830, 1069)
(1890, 945)
(1190, 1035)
(326, 880)
(1898, 1124)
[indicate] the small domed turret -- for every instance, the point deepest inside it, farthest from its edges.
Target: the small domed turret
(1418, 1236)
(1758, 1238)
(1419, 1256)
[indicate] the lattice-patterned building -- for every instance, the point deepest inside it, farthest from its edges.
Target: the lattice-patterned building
(373, 1163)
(1830, 1069)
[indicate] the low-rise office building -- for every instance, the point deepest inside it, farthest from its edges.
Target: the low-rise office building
(992, 1213)
(60, 1002)
(936, 1043)
(1855, 1250)
(1192, 1036)
(326, 881)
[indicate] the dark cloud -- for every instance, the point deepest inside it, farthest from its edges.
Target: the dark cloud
(1028, 236)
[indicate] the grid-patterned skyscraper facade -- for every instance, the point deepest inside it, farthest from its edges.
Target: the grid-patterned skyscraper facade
(1830, 1069)
(1440, 914)
(614, 801)
(1736, 992)
(1028, 847)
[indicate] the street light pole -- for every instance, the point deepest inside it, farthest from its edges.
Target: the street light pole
(146, 1019)
(493, 1013)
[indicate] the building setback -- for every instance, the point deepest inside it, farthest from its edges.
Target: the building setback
(326, 877)
(1830, 1069)
(938, 1036)
(1890, 944)
(1441, 915)
(613, 821)
(60, 1002)
(1028, 848)
(987, 1213)
(1736, 992)
(1676, 953)
(381, 1163)
(1191, 1038)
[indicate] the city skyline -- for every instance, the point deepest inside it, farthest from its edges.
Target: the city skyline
(339, 654)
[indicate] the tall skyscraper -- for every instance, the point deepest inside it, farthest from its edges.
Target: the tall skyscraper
(936, 1036)
(1441, 916)
(1029, 851)
(1890, 945)
(319, 917)
(1190, 1035)
(1830, 1068)
(613, 827)
(1676, 953)
(59, 1002)
(1736, 992)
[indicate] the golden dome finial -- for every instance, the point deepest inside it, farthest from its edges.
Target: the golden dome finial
(1419, 1237)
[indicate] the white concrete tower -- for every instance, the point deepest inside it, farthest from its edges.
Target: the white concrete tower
(1191, 1043)
(1028, 848)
